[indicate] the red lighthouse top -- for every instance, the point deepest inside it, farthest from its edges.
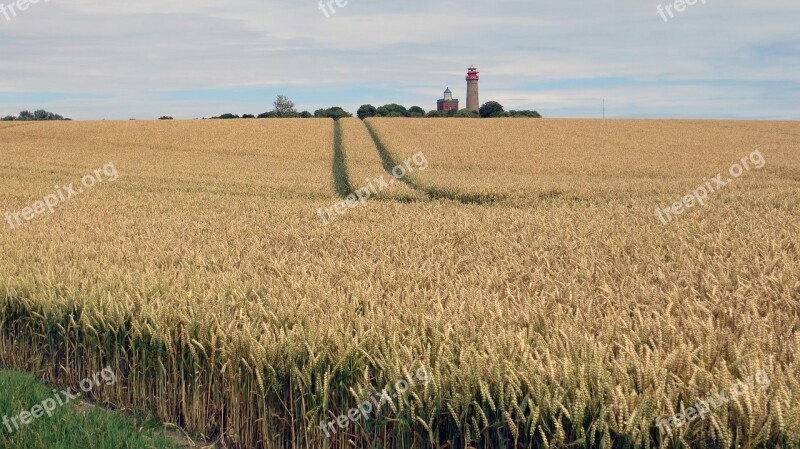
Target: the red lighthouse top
(472, 73)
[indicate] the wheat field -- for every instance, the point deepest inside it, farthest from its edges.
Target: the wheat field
(524, 270)
(627, 161)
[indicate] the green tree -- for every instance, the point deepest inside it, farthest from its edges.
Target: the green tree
(40, 114)
(416, 111)
(387, 109)
(491, 109)
(365, 111)
(334, 112)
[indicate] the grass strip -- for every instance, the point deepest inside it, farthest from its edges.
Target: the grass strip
(341, 179)
(71, 425)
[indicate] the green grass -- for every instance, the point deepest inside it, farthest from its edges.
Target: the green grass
(341, 179)
(69, 427)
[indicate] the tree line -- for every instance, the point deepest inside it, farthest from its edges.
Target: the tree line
(490, 109)
(285, 108)
(28, 116)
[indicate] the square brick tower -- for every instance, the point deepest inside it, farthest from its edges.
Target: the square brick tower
(448, 103)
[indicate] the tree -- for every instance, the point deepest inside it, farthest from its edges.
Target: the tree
(491, 109)
(434, 114)
(165, 117)
(284, 107)
(228, 116)
(416, 111)
(334, 112)
(248, 116)
(8, 118)
(305, 114)
(39, 115)
(387, 109)
(366, 110)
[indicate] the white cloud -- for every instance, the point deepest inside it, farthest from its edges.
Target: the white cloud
(405, 52)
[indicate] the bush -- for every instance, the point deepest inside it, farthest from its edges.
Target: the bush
(164, 117)
(466, 113)
(434, 114)
(248, 116)
(306, 114)
(227, 116)
(531, 114)
(8, 118)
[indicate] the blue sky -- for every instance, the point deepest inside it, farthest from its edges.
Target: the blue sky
(89, 59)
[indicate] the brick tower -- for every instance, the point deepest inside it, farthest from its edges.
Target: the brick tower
(448, 103)
(473, 103)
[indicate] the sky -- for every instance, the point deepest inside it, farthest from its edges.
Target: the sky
(92, 59)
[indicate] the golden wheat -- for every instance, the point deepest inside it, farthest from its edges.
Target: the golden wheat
(621, 160)
(205, 278)
(364, 164)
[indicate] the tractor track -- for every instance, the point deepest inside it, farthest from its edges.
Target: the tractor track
(432, 192)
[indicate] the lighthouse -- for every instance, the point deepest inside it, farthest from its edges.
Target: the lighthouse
(448, 103)
(473, 103)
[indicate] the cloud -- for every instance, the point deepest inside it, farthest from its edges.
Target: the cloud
(145, 58)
